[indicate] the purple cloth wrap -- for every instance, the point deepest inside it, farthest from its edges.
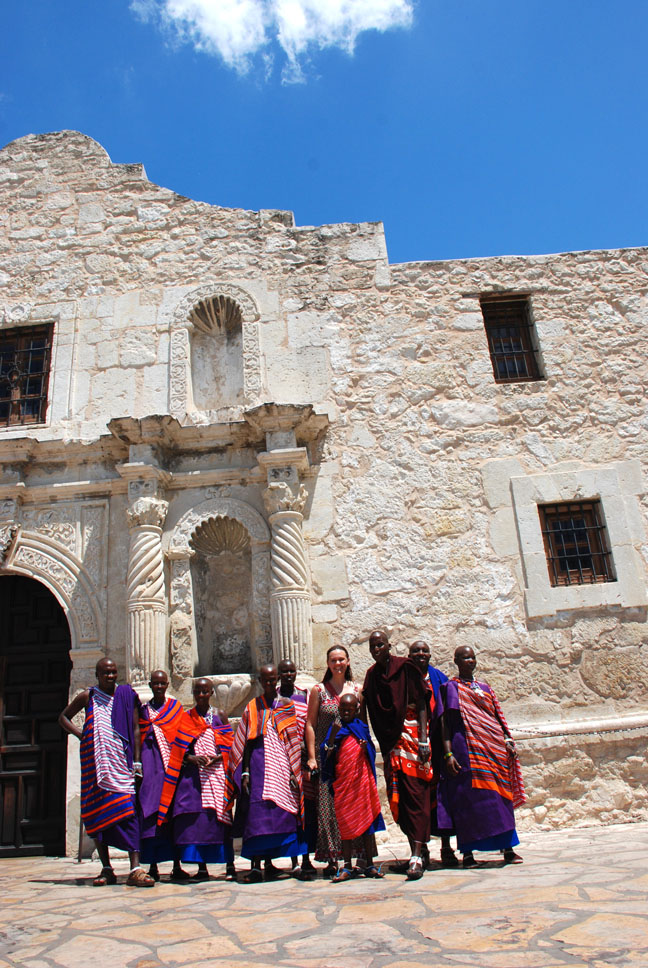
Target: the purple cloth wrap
(124, 835)
(256, 817)
(125, 701)
(150, 789)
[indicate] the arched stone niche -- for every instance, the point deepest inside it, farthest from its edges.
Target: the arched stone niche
(215, 360)
(233, 686)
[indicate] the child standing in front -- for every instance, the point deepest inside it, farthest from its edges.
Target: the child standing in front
(348, 760)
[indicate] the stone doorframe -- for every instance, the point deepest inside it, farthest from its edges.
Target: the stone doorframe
(179, 345)
(184, 645)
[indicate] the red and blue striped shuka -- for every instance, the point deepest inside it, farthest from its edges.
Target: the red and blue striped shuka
(100, 808)
(491, 765)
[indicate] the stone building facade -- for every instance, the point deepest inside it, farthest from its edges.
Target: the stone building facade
(257, 439)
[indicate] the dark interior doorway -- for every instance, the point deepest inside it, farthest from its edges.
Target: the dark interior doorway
(34, 687)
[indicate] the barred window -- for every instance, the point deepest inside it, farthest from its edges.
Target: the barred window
(25, 355)
(576, 543)
(512, 340)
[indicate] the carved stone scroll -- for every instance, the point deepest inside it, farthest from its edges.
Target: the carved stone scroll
(290, 596)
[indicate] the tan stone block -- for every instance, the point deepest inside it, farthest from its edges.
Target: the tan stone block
(104, 952)
(608, 930)
(329, 578)
(162, 930)
(195, 950)
(274, 926)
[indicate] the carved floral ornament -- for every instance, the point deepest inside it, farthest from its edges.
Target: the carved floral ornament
(282, 496)
(149, 511)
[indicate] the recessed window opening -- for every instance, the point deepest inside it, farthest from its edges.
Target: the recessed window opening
(512, 340)
(25, 355)
(576, 543)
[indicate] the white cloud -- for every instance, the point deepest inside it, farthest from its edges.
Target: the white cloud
(236, 30)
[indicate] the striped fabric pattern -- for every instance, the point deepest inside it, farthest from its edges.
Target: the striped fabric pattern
(192, 726)
(111, 765)
(164, 722)
(491, 765)
(99, 808)
(212, 778)
(404, 758)
(355, 795)
(282, 747)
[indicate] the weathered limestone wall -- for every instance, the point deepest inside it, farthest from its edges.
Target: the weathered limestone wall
(420, 497)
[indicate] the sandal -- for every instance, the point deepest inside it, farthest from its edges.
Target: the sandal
(373, 871)
(469, 861)
(230, 872)
(107, 876)
(138, 878)
(415, 870)
(254, 876)
(344, 874)
(330, 870)
(510, 857)
(200, 876)
(449, 858)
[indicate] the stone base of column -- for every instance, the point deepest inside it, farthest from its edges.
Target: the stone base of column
(291, 628)
(146, 642)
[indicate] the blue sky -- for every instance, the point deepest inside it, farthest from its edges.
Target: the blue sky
(470, 128)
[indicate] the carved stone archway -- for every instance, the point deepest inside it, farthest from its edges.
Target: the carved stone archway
(179, 345)
(184, 647)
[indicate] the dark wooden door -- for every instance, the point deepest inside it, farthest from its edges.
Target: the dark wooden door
(34, 686)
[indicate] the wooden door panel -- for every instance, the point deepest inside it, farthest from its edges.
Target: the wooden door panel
(34, 687)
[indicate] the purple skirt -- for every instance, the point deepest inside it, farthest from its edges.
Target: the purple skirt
(124, 835)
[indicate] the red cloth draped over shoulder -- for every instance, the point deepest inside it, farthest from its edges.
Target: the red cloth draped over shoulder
(387, 692)
(355, 796)
(168, 720)
(191, 726)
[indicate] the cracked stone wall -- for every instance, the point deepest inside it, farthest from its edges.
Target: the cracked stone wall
(410, 521)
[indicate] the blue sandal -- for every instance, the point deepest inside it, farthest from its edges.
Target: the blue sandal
(344, 874)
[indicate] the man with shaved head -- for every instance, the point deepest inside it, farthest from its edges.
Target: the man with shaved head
(110, 760)
(265, 774)
(159, 721)
(193, 793)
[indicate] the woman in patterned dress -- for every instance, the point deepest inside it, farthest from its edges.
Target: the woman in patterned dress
(323, 710)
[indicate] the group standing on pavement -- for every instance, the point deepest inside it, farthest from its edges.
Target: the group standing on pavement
(298, 775)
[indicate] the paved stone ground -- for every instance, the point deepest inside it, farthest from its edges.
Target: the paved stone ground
(579, 900)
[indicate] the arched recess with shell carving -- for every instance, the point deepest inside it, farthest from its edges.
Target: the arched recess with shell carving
(220, 527)
(215, 359)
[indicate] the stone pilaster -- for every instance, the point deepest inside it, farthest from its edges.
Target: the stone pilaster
(145, 600)
(290, 596)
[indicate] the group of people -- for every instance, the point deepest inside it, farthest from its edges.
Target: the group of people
(298, 775)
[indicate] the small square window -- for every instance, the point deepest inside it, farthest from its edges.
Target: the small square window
(576, 543)
(512, 340)
(25, 355)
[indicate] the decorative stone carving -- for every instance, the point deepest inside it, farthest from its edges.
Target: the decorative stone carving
(182, 661)
(218, 507)
(145, 597)
(63, 576)
(192, 311)
(231, 693)
(7, 534)
(290, 597)
(178, 373)
(59, 524)
(252, 382)
(281, 496)
(147, 511)
(218, 535)
(184, 310)
(215, 314)
(93, 545)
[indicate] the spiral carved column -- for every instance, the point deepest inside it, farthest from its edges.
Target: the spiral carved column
(145, 600)
(290, 595)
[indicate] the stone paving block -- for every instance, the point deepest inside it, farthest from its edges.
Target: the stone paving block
(164, 929)
(195, 950)
(101, 952)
